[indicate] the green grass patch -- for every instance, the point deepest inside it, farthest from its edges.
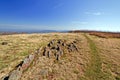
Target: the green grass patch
(24, 53)
(3, 66)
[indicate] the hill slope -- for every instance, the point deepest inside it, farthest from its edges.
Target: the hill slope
(59, 56)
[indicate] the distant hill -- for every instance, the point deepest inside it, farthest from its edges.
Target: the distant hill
(99, 33)
(89, 31)
(17, 31)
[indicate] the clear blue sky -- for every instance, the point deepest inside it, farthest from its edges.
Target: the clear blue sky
(60, 14)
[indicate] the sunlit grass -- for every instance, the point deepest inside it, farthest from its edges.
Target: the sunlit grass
(94, 71)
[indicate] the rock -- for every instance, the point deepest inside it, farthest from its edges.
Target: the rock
(55, 47)
(31, 57)
(72, 47)
(46, 49)
(26, 60)
(4, 43)
(75, 46)
(20, 64)
(48, 54)
(69, 47)
(49, 45)
(59, 48)
(5, 77)
(15, 75)
(44, 73)
(63, 44)
(57, 55)
(52, 42)
(26, 63)
(61, 52)
(59, 42)
(45, 53)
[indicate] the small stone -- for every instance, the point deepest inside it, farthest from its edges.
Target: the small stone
(58, 48)
(72, 47)
(46, 49)
(57, 56)
(26, 63)
(61, 52)
(15, 75)
(26, 60)
(63, 44)
(5, 77)
(31, 57)
(53, 47)
(53, 41)
(59, 41)
(48, 54)
(4, 43)
(49, 45)
(44, 73)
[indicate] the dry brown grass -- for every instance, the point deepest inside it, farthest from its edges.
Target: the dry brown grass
(72, 66)
(110, 54)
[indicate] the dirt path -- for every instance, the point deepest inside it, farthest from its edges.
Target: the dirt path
(94, 70)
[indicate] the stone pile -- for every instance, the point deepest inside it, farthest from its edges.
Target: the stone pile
(56, 48)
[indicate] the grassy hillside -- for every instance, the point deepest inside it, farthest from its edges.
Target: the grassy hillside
(85, 57)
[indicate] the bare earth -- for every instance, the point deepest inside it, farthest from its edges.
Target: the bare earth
(96, 58)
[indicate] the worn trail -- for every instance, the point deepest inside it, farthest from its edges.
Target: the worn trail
(94, 71)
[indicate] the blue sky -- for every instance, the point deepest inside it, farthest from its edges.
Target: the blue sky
(60, 14)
